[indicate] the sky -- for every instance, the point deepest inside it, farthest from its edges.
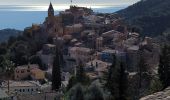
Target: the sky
(19, 14)
(45, 2)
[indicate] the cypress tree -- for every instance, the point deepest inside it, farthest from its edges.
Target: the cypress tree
(142, 68)
(56, 72)
(164, 67)
(123, 81)
(116, 80)
(111, 78)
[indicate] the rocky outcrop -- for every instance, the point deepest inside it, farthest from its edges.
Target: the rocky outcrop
(162, 95)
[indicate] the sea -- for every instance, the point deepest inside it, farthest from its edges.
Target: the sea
(19, 17)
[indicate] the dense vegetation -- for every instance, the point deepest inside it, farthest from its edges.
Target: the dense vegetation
(56, 72)
(151, 16)
(164, 66)
(6, 33)
(19, 50)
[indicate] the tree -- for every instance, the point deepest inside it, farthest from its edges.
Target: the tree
(123, 80)
(36, 60)
(71, 83)
(94, 93)
(76, 93)
(164, 66)
(56, 72)
(116, 80)
(155, 86)
(142, 68)
(8, 66)
(19, 52)
(80, 75)
(110, 78)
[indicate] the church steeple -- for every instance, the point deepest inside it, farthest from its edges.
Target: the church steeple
(50, 10)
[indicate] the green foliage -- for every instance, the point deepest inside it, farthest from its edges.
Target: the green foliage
(164, 66)
(76, 93)
(155, 86)
(80, 77)
(94, 93)
(71, 83)
(149, 15)
(109, 76)
(79, 92)
(116, 80)
(11, 40)
(20, 52)
(36, 60)
(123, 82)
(8, 66)
(7, 33)
(56, 72)
(143, 68)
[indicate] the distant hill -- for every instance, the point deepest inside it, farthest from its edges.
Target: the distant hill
(6, 33)
(153, 16)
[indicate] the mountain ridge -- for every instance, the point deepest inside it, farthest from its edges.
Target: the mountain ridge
(149, 15)
(6, 33)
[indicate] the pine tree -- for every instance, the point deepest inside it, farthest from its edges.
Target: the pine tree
(164, 67)
(56, 72)
(112, 78)
(142, 68)
(116, 80)
(123, 81)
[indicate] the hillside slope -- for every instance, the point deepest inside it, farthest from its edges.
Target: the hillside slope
(6, 33)
(153, 16)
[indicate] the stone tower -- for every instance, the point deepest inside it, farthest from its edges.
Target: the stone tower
(50, 10)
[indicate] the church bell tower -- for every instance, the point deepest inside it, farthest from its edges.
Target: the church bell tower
(50, 10)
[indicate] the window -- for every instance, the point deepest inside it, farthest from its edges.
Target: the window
(32, 89)
(17, 71)
(28, 90)
(36, 89)
(22, 71)
(23, 90)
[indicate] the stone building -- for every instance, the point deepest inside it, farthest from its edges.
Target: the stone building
(80, 54)
(28, 71)
(99, 43)
(133, 58)
(75, 28)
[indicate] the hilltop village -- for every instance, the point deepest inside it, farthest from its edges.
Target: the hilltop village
(82, 37)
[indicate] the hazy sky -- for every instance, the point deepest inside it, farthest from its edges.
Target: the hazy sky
(42, 2)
